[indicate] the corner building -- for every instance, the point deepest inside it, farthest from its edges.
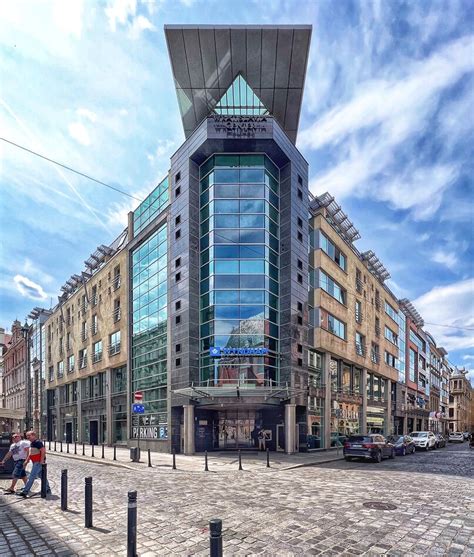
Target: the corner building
(236, 225)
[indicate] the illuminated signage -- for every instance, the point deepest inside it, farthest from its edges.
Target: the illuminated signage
(217, 352)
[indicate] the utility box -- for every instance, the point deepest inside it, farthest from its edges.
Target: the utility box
(7, 470)
(135, 454)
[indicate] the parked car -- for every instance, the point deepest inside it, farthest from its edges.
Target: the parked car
(403, 444)
(374, 447)
(424, 440)
(456, 437)
(440, 440)
(467, 435)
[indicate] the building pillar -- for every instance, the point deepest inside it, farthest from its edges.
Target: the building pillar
(363, 414)
(108, 408)
(290, 428)
(59, 419)
(388, 410)
(79, 411)
(327, 403)
(188, 429)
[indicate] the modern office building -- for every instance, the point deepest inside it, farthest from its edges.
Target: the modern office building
(86, 352)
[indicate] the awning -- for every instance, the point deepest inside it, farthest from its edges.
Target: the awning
(239, 391)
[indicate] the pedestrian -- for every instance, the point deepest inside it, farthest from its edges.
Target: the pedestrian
(262, 438)
(18, 451)
(37, 455)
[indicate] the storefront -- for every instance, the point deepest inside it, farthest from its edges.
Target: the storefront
(375, 419)
(345, 419)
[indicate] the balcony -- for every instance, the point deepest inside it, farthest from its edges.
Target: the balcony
(116, 282)
(358, 316)
(117, 314)
(360, 348)
(94, 299)
(97, 357)
(84, 335)
(377, 304)
(114, 349)
(359, 285)
(84, 307)
(377, 331)
(94, 329)
(375, 357)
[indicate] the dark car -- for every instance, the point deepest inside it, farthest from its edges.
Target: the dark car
(373, 446)
(403, 444)
(440, 440)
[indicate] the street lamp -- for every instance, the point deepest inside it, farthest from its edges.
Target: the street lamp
(25, 331)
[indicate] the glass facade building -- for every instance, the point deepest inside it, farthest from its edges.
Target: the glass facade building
(239, 286)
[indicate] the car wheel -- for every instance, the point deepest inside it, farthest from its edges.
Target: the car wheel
(378, 457)
(427, 448)
(392, 454)
(404, 451)
(347, 458)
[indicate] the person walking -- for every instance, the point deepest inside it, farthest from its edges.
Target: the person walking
(37, 455)
(262, 440)
(18, 451)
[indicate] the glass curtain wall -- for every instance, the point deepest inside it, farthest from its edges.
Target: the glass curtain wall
(239, 267)
(149, 353)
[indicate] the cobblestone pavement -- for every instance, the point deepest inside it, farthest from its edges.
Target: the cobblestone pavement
(315, 510)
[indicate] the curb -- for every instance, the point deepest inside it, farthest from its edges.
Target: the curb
(91, 460)
(307, 464)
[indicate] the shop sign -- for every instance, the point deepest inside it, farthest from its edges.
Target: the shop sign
(217, 352)
(240, 126)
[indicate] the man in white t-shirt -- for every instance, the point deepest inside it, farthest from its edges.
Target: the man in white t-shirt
(18, 451)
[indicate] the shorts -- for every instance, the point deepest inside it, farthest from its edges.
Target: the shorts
(18, 470)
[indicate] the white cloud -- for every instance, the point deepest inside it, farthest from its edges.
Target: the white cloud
(445, 258)
(124, 13)
(448, 312)
(86, 113)
(79, 132)
(468, 357)
(29, 289)
(68, 16)
(139, 24)
(163, 151)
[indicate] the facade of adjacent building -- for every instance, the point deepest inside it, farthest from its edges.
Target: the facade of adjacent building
(86, 352)
(460, 402)
(15, 363)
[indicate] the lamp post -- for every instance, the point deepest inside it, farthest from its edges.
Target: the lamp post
(25, 331)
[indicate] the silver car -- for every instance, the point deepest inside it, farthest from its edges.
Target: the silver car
(424, 440)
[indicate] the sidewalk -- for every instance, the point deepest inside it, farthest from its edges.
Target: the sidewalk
(217, 461)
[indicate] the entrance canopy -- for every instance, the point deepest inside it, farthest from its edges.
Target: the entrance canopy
(206, 60)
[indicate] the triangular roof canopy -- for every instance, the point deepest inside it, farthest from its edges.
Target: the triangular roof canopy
(208, 60)
(240, 100)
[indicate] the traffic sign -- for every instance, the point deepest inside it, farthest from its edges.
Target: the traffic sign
(138, 396)
(138, 409)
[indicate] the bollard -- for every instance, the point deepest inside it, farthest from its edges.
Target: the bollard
(55, 446)
(132, 524)
(61, 446)
(206, 467)
(240, 461)
(44, 480)
(215, 537)
(67, 448)
(75, 447)
(83, 450)
(103, 454)
(268, 458)
(88, 502)
(49, 445)
(115, 452)
(92, 453)
(149, 459)
(174, 459)
(64, 490)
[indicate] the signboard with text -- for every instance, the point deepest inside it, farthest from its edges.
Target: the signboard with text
(217, 352)
(150, 432)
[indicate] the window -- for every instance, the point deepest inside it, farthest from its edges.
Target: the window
(114, 343)
(70, 363)
(84, 330)
(94, 295)
(300, 306)
(178, 362)
(300, 180)
(413, 364)
(377, 327)
(336, 327)
(391, 336)
(300, 264)
(177, 192)
(300, 222)
(377, 299)
(300, 362)
(177, 305)
(177, 234)
(51, 373)
(300, 348)
(177, 277)
(82, 358)
(177, 220)
(358, 311)
(360, 344)
(300, 278)
(117, 314)
(68, 341)
(177, 262)
(300, 194)
(60, 369)
(359, 285)
(330, 286)
(97, 351)
(375, 353)
(390, 359)
(177, 319)
(177, 178)
(117, 280)
(332, 251)
(300, 236)
(300, 320)
(95, 325)
(390, 311)
(178, 348)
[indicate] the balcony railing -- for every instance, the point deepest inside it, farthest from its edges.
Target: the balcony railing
(84, 335)
(84, 307)
(96, 357)
(94, 299)
(375, 357)
(116, 282)
(94, 329)
(359, 286)
(114, 348)
(70, 369)
(360, 348)
(377, 331)
(83, 362)
(358, 316)
(377, 304)
(117, 314)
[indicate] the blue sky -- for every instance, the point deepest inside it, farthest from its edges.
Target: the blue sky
(386, 127)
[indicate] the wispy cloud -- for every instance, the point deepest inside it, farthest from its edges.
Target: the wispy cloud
(79, 132)
(445, 258)
(28, 288)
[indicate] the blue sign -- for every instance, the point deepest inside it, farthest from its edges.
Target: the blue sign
(217, 352)
(138, 409)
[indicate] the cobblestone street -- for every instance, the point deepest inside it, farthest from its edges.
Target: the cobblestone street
(317, 510)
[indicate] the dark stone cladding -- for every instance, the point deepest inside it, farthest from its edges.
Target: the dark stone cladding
(205, 141)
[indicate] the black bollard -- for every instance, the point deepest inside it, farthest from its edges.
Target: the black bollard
(75, 447)
(206, 467)
(92, 452)
(103, 454)
(174, 459)
(132, 524)
(268, 458)
(240, 461)
(64, 490)
(115, 452)
(83, 450)
(67, 448)
(49, 445)
(215, 537)
(149, 459)
(44, 480)
(61, 446)
(88, 502)
(55, 446)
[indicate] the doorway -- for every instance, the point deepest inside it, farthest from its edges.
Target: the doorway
(94, 432)
(68, 432)
(281, 437)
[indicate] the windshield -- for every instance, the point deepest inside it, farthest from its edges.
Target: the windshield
(419, 434)
(358, 439)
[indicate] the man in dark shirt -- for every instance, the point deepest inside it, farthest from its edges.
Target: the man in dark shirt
(37, 455)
